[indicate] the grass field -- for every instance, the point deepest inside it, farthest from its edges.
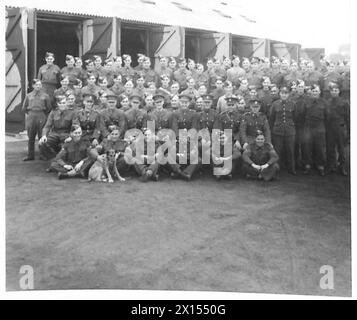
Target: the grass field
(238, 235)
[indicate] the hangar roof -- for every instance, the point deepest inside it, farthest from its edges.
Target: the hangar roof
(226, 16)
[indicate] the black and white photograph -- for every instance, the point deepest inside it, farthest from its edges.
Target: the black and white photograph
(196, 146)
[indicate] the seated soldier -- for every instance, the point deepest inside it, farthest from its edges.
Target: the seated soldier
(56, 129)
(73, 161)
(260, 159)
(145, 164)
(224, 162)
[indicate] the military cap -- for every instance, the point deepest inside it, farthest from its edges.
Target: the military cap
(126, 56)
(116, 59)
(184, 95)
(254, 103)
(235, 57)
(63, 76)
(95, 57)
(190, 60)
(89, 97)
(232, 99)
(252, 87)
(88, 61)
(60, 97)
(158, 97)
(300, 82)
(274, 59)
(172, 59)
(284, 89)
(207, 97)
(140, 55)
(133, 96)
(245, 59)
(181, 60)
(49, 54)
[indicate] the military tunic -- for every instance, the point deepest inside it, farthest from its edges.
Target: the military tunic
(252, 122)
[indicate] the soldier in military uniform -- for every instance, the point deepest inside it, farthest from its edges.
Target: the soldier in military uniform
(61, 91)
(49, 74)
(184, 118)
(293, 75)
(56, 129)
(127, 71)
(331, 76)
(36, 106)
(260, 160)
(146, 164)
(224, 164)
(117, 88)
(275, 74)
(164, 69)
(282, 121)
(164, 89)
(191, 91)
(90, 121)
(136, 116)
(181, 74)
(103, 85)
(316, 115)
(140, 89)
(163, 118)
(113, 116)
(311, 76)
(254, 76)
(73, 161)
(251, 122)
(338, 126)
(228, 92)
(147, 73)
(201, 77)
(236, 72)
(91, 87)
(98, 65)
(300, 100)
(70, 71)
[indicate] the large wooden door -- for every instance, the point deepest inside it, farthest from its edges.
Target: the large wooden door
(214, 45)
(98, 37)
(167, 41)
(15, 63)
(249, 47)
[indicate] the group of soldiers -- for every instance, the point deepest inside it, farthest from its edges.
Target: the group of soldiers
(272, 113)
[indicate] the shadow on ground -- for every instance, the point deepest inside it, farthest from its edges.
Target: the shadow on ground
(235, 235)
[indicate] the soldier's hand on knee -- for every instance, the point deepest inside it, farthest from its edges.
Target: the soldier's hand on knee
(68, 167)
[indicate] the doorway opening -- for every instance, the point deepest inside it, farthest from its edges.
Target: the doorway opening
(59, 37)
(133, 41)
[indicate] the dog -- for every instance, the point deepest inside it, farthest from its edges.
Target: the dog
(104, 169)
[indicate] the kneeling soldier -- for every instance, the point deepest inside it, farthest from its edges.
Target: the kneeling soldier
(260, 159)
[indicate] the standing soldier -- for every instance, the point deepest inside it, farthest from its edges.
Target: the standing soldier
(201, 76)
(228, 92)
(276, 76)
(191, 91)
(70, 71)
(117, 64)
(251, 122)
(254, 76)
(312, 77)
(118, 87)
(36, 106)
(206, 118)
(182, 74)
(300, 100)
(293, 75)
(264, 95)
(331, 76)
(172, 66)
(230, 119)
(345, 83)
(127, 71)
(90, 70)
(140, 60)
(260, 159)
(56, 129)
(315, 132)
(148, 74)
(282, 121)
(78, 63)
(165, 88)
(337, 125)
(164, 68)
(98, 65)
(243, 89)
(191, 66)
(49, 74)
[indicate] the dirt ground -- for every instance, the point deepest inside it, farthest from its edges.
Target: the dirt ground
(238, 235)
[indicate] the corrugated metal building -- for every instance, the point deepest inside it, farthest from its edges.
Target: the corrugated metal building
(153, 27)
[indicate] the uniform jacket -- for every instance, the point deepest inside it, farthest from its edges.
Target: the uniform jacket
(59, 121)
(282, 118)
(251, 122)
(37, 101)
(260, 155)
